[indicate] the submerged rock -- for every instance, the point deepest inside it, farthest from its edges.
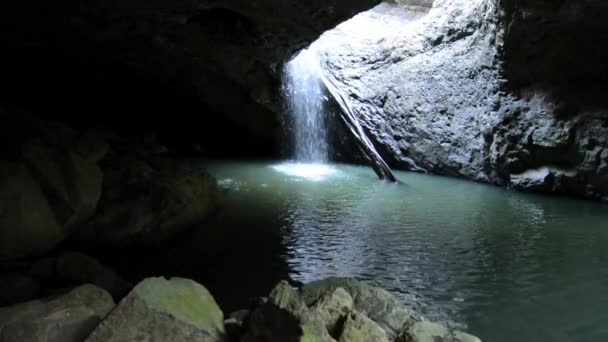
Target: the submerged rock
(160, 309)
(67, 318)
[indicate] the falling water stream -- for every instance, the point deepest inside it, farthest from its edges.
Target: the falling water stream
(303, 93)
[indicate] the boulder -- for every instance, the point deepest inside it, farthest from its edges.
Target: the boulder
(432, 332)
(79, 268)
(359, 328)
(67, 318)
(70, 181)
(160, 309)
(17, 288)
(376, 303)
(146, 201)
(333, 308)
(27, 223)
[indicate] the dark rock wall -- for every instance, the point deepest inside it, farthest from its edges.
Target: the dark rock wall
(212, 65)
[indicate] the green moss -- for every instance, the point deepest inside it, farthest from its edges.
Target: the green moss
(185, 299)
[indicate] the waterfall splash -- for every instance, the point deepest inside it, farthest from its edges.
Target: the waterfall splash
(303, 92)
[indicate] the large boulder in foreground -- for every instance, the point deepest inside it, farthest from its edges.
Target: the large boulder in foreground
(147, 200)
(67, 318)
(160, 309)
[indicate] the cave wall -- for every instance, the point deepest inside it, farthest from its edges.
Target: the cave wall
(503, 92)
(202, 67)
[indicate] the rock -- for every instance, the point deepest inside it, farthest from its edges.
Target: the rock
(433, 332)
(67, 318)
(17, 288)
(376, 303)
(148, 201)
(160, 309)
(27, 223)
(449, 90)
(290, 299)
(285, 317)
(269, 323)
(358, 328)
(71, 182)
(333, 308)
(79, 268)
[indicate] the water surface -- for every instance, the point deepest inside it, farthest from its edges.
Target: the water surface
(508, 266)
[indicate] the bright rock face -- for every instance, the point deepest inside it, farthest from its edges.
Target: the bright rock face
(448, 90)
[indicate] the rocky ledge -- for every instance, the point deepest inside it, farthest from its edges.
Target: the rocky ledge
(178, 309)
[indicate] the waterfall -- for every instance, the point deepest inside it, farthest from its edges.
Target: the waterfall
(303, 92)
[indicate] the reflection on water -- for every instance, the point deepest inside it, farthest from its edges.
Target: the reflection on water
(510, 266)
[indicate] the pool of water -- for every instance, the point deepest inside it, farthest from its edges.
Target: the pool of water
(505, 266)
(508, 266)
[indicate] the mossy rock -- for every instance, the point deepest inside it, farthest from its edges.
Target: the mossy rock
(160, 309)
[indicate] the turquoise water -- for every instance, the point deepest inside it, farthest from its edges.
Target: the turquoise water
(507, 266)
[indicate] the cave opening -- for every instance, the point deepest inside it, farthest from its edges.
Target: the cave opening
(166, 164)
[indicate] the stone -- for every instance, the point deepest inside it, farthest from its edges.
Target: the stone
(333, 308)
(17, 288)
(359, 328)
(160, 309)
(148, 201)
(72, 183)
(376, 303)
(67, 318)
(448, 90)
(290, 299)
(432, 332)
(270, 323)
(79, 268)
(27, 223)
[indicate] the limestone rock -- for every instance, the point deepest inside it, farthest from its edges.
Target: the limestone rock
(67, 318)
(433, 332)
(359, 328)
(376, 303)
(160, 309)
(450, 91)
(27, 223)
